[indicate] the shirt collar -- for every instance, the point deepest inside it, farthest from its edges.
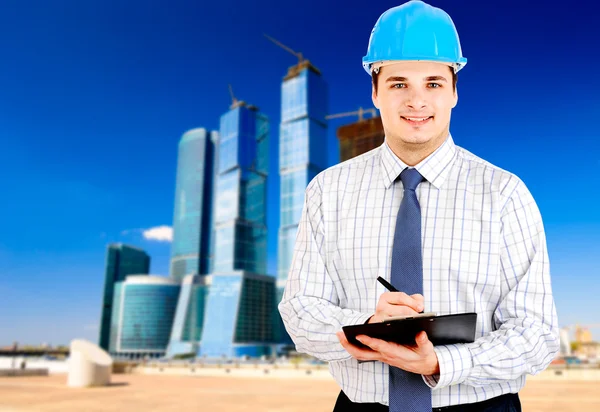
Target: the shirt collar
(434, 168)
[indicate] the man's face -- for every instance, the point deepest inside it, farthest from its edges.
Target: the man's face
(415, 100)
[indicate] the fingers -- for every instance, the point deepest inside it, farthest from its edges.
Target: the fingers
(419, 298)
(355, 351)
(392, 311)
(375, 344)
(421, 359)
(423, 342)
(392, 353)
(413, 302)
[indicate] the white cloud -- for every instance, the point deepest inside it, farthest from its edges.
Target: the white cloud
(159, 233)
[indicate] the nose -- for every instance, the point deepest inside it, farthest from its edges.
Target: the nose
(416, 99)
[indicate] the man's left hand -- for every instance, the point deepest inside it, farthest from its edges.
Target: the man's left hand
(419, 358)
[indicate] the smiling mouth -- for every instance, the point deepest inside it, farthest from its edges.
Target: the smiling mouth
(417, 121)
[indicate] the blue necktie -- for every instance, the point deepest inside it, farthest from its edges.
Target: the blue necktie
(408, 392)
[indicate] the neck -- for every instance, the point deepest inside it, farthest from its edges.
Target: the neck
(414, 153)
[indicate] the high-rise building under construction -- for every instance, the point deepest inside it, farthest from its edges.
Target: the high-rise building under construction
(302, 155)
(361, 136)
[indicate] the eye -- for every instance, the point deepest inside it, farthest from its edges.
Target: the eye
(401, 86)
(434, 85)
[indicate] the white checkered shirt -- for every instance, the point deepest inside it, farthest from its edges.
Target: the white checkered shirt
(484, 251)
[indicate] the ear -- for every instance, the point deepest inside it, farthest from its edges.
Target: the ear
(374, 97)
(455, 98)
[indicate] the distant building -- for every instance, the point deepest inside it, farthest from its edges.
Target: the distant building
(191, 250)
(360, 137)
(239, 315)
(143, 312)
(302, 155)
(121, 261)
(189, 317)
(588, 350)
(240, 191)
(583, 334)
(238, 318)
(565, 342)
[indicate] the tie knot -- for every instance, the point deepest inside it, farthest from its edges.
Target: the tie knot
(410, 178)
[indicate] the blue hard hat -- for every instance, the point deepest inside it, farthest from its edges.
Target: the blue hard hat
(414, 31)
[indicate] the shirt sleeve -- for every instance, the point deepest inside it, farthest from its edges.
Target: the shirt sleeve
(309, 306)
(526, 338)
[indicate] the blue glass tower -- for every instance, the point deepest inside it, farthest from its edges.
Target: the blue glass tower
(240, 221)
(121, 260)
(302, 155)
(191, 250)
(143, 311)
(189, 316)
(239, 312)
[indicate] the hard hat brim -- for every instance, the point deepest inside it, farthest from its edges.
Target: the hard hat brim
(375, 66)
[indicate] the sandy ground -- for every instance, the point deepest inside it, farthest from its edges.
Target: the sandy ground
(187, 393)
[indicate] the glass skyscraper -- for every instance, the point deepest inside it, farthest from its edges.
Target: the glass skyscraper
(302, 155)
(239, 312)
(143, 312)
(189, 317)
(241, 184)
(191, 250)
(121, 260)
(239, 315)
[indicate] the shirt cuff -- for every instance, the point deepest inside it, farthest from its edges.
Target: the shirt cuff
(456, 364)
(360, 318)
(363, 319)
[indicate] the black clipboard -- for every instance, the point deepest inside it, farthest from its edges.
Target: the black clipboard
(441, 330)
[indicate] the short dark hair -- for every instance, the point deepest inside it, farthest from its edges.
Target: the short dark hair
(375, 77)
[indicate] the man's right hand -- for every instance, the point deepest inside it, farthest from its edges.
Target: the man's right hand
(397, 304)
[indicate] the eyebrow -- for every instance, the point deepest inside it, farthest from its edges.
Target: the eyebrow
(427, 79)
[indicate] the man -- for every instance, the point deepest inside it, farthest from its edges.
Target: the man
(451, 231)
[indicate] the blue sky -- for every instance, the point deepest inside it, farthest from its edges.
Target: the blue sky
(95, 95)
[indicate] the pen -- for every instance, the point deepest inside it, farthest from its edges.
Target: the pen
(388, 285)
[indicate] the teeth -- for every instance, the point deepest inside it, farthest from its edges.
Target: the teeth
(417, 119)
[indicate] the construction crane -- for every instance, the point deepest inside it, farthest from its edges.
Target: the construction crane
(286, 48)
(302, 62)
(359, 112)
(234, 102)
